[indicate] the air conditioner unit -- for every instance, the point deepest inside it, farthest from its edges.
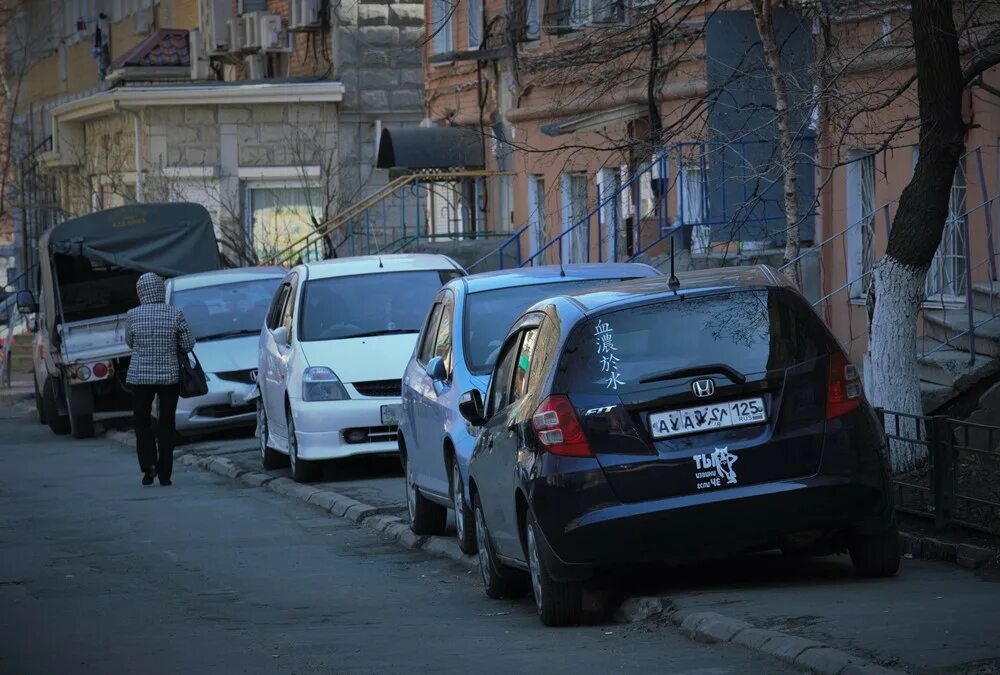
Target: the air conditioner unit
(269, 33)
(214, 15)
(201, 69)
(255, 67)
(305, 15)
(234, 26)
(251, 31)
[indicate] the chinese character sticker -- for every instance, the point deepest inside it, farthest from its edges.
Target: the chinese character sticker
(604, 342)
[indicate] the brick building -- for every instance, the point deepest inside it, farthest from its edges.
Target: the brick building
(264, 111)
(562, 93)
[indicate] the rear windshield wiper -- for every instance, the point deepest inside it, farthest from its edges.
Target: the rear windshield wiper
(227, 335)
(388, 331)
(732, 374)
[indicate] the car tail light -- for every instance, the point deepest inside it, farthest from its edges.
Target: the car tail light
(100, 370)
(843, 387)
(83, 373)
(558, 428)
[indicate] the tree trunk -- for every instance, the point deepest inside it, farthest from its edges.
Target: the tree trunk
(762, 14)
(919, 222)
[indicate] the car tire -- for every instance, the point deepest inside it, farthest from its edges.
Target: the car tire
(58, 424)
(499, 581)
(39, 407)
(269, 457)
(426, 517)
(464, 519)
(303, 471)
(559, 603)
(876, 555)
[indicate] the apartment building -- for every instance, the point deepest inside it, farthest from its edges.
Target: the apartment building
(265, 111)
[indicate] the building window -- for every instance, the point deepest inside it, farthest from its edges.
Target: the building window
(860, 235)
(279, 217)
(532, 19)
(536, 215)
(587, 12)
(693, 201)
(575, 223)
(475, 23)
(441, 26)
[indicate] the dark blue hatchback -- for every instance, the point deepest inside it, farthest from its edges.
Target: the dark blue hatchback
(639, 423)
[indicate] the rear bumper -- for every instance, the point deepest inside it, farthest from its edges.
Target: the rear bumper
(722, 522)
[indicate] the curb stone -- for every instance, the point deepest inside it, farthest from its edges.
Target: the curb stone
(808, 654)
(928, 548)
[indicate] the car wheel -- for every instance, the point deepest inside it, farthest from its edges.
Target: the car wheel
(876, 555)
(58, 424)
(269, 457)
(303, 471)
(559, 603)
(426, 517)
(39, 407)
(464, 520)
(499, 581)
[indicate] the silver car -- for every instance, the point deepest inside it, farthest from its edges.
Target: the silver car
(226, 311)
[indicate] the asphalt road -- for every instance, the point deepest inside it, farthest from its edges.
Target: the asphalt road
(101, 575)
(933, 617)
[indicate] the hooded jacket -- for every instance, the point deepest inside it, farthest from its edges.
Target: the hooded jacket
(155, 332)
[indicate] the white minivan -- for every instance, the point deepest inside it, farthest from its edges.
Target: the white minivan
(332, 353)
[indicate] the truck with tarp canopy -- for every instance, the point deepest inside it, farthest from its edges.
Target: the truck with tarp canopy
(88, 268)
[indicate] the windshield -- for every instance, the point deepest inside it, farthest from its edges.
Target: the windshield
(227, 310)
(747, 332)
(489, 315)
(366, 305)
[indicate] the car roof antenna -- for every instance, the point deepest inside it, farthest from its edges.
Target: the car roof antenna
(674, 283)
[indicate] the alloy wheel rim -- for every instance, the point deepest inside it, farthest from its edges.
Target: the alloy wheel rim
(457, 499)
(262, 429)
(484, 556)
(411, 494)
(293, 446)
(534, 567)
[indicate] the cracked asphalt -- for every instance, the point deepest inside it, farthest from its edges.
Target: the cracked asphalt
(101, 575)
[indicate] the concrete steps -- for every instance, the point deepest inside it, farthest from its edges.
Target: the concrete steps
(986, 297)
(953, 326)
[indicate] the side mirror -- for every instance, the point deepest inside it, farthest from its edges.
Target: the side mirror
(470, 404)
(281, 336)
(26, 303)
(437, 370)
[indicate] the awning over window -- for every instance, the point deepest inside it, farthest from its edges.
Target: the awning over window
(430, 148)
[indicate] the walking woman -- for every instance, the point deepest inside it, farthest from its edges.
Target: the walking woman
(155, 332)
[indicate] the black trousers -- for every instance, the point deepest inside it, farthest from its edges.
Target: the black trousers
(155, 448)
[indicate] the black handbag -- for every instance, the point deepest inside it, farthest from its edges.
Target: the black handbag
(192, 378)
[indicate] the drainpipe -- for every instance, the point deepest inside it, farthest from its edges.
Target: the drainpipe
(139, 179)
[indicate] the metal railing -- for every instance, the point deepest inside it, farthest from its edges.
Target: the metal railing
(631, 215)
(952, 290)
(394, 215)
(959, 483)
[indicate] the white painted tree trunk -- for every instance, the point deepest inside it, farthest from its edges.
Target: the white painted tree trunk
(894, 382)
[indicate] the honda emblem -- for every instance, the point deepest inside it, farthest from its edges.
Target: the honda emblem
(703, 388)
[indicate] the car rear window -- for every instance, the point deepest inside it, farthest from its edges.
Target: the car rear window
(750, 331)
(489, 315)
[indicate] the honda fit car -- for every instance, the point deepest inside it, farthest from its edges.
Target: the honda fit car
(225, 310)
(455, 352)
(332, 354)
(641, 422)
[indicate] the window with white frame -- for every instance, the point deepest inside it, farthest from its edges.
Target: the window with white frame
(608, 182)
(588, 12)
(573, 188)
(536, 213)
(442, 12)
(692, 199)
(475, 23)
(280, 216)
(860, 234)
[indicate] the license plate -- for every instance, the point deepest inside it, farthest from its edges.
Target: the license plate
(707, 418)
(391, 415)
